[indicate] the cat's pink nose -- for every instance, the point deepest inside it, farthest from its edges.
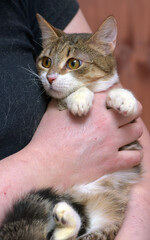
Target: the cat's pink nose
(52, 77)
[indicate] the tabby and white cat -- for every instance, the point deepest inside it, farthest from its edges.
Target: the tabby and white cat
(72, 67)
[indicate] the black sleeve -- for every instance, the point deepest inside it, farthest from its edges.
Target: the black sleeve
(58, 13)
(22, 103)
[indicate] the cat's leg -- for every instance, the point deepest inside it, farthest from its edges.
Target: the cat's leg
(123, 101)
(67, 220)
(80, 101)
(103, 234)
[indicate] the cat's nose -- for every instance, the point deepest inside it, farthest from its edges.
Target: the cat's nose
(52, 77)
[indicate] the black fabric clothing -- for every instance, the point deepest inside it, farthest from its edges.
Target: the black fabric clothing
(22, 103)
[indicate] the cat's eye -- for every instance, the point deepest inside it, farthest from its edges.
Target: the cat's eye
(73, 63)
(46, 62)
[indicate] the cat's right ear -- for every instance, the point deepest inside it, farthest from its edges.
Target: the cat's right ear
(49, 33)
(104, 40)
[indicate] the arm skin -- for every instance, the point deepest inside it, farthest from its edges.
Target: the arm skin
(66, 150)
(136, 224)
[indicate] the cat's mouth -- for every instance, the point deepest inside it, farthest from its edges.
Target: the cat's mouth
(55, 93)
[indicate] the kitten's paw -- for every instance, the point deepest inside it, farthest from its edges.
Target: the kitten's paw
(123, 101)
(65, 215)
(80, 102)
(67, 220)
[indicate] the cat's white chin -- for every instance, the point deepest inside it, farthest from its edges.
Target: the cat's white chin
(57, 94)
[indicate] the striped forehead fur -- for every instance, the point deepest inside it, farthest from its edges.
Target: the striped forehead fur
(76, 46)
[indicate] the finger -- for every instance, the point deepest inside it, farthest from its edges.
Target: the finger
(129, 158)
(123, 120)
(129, 133)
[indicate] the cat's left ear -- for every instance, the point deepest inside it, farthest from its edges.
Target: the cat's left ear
(49, 33)
(104, 39)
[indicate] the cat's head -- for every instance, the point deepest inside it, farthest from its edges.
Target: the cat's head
(70, 61)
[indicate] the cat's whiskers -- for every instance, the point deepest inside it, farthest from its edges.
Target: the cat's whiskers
(32, 73)
(36, 80)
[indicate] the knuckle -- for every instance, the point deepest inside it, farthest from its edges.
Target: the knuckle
(139, 156)
(140, 108)
(139, 129)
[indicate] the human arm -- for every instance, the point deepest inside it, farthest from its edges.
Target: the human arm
(136, 223)
(66, 150)
(78, 24)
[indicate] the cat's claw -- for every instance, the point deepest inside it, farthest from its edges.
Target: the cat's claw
(123, 101)
(80, 102)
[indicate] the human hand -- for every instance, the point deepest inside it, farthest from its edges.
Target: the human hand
(68, 150)
(80, 150)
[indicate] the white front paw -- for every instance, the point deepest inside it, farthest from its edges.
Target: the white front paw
(80, 102)
(123, 101)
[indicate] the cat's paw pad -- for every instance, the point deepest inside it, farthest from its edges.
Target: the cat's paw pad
(123, 101)
(64, 215)
(80, 102)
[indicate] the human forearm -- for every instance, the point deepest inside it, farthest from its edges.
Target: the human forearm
(78, 24)
(21, 173)
(136, 223)
(29, 170)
